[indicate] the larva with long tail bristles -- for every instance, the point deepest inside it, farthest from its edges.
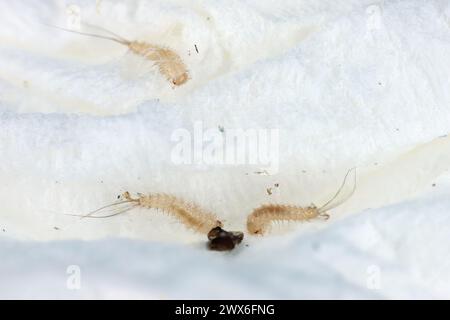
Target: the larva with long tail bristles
(188, 213)
(259, 221)
(168, 61)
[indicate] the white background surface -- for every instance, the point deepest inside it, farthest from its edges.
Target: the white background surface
(346, 83)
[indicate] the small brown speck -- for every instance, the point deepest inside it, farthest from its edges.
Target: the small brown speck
(276, 185)
(196, 49)
(269, 191)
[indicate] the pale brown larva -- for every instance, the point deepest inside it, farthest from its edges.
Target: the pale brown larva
(188, 213)
(168, 61)
(202, 221)
(260, 220)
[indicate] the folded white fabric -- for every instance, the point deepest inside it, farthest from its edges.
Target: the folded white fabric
(313, 87)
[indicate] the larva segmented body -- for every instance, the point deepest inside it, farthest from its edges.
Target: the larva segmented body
(200, 220)
(168, 61)
(188, 213)
(258, 222)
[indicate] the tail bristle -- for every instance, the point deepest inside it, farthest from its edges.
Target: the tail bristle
(106, 211)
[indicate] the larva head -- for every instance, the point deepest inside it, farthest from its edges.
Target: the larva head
(180, 79)
(171, 66)
(256, 227)
(168, 61)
